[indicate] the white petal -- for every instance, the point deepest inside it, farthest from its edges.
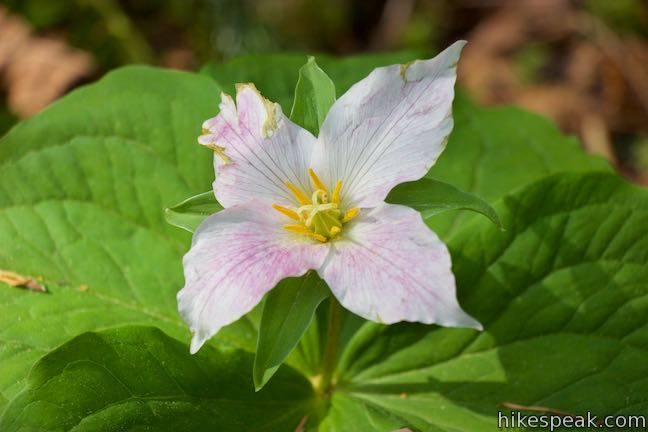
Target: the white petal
(388, 128)
(390, 267)
(257, 149)
(237, 256)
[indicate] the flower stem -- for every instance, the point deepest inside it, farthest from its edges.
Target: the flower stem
(329, 361)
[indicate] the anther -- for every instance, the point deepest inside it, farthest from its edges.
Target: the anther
(316, 180)
(286, 211)
(350, 214)
(319, 237)
(336, 193)
(301, 229)
(335, 231)
(301, 196)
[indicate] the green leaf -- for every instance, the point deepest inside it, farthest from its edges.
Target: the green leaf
(287, 313)
(83, 186)
(191, 212)
(138, 378)
(349, 414)
(431, 197)
(314, 95)
(493, 151)
(563, 296)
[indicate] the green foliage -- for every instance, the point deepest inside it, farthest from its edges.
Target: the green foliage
(561, 292)
(138, 378)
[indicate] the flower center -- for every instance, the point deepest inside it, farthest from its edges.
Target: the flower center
(319, 216)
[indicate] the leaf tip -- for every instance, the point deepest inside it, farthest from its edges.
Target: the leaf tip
(259, 379)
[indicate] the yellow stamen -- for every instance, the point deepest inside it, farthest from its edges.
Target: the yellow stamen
(350, 214)
(319, 216)
(336, 193)
(301, 196)
(296, 228)
(301, 229)
(319, 237)
(316, 180)
(290, 213)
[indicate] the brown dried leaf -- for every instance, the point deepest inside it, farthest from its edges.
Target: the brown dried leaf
(490, 80)
(559, 102)
(582, 70)
(14, 32)
(179, 58)
(20, 281)
(500, 33)
(37, 70)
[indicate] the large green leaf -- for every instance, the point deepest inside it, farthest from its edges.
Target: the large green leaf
(563, 296)
(83, 186)
(138, 378)
(287, 312)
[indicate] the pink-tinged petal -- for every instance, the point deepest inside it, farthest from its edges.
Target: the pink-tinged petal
(237, 256)
(257, 149)
(390, 267)
(388, 128)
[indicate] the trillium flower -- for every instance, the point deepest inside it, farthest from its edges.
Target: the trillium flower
(293, 203)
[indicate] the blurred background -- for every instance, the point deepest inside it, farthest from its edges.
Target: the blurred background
(583, 63)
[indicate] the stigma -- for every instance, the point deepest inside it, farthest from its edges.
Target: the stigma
(317, 216)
